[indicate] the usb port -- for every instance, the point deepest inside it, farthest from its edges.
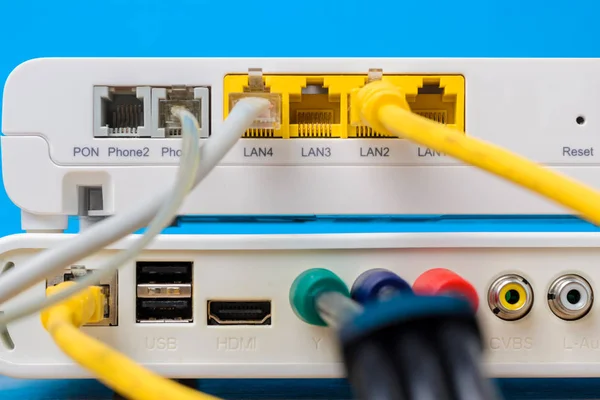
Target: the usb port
(164, 310)
(164, 272)
(239, 312)
(164, 291)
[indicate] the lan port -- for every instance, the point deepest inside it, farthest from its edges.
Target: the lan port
(314, 112)
(431, 102)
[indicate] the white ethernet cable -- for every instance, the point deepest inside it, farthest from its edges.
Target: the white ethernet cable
(114, 228)
(184, 182)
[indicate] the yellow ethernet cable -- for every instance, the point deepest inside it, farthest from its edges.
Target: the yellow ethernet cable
(115, 370)
(384, 107)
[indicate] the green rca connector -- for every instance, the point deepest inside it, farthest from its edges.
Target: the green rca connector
(320, 297)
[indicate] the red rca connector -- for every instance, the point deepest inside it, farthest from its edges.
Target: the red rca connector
(441, 281)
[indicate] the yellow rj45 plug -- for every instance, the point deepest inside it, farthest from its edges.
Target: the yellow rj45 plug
(85, 307)
(440, 98)
(383, 106)
(118, 372)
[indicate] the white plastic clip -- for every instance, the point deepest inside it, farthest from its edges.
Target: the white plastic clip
(255, 80)
(375, 74)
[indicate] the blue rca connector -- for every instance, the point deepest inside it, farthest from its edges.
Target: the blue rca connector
(378, 284)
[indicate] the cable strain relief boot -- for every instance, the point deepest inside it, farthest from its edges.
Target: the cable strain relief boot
(441, 281)
(375, 95)
(378, 284)
(306, 289)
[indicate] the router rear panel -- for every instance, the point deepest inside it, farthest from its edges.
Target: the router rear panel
(96, 137)
(238, 268)
(58, 113)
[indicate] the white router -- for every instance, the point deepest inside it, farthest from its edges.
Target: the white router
(94, 136)
(191, 336)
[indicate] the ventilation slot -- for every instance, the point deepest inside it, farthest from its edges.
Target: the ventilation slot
(5, 338)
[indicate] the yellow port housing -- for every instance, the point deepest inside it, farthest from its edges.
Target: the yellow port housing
(320, 106)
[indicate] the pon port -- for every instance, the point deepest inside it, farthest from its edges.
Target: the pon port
(196, 100)
(109, 286)
(379, 285)
(510, 297)
(122, 112)
(570, 297)
(441, 281)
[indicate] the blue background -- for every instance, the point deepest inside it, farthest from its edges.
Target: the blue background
(352, 28)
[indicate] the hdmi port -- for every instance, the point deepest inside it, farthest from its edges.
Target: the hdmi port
(239, 312)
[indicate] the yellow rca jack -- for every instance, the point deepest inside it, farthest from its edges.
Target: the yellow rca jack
(510, 297)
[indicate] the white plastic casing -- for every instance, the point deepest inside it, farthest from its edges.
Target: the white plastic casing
(526, 105)
(263, 267)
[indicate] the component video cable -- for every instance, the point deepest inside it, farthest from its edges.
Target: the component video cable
(399, 347)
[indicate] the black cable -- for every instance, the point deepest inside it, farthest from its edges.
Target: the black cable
(417, 363)
(371, 372)
(459, 348)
